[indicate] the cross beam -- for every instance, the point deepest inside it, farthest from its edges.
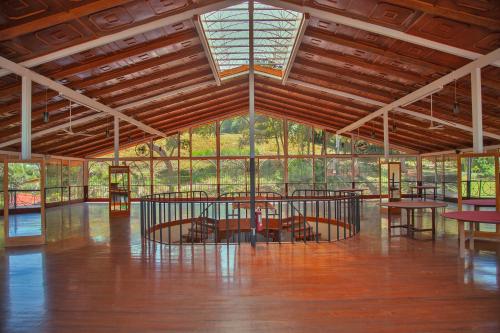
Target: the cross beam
(426, 90)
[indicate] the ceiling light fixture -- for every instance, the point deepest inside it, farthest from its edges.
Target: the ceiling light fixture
(456, 106)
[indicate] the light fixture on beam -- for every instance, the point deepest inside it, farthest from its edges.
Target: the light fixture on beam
(46, 112)
(46, 117)
(456, 106)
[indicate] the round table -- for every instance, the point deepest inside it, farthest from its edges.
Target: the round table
(410, 207)
(472, 217)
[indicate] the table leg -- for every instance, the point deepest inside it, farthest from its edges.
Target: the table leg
(434, 189)
(389, 220)
(433, 211)
(461, 239)
(408, 228)
(471, 235)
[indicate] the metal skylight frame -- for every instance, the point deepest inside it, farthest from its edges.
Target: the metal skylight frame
(227, 35)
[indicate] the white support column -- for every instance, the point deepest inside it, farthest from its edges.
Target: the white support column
(386, 134)
(26, 119)
(477, 111)
(116, 132)
(251, 117)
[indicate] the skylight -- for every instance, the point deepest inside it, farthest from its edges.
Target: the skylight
(275, 30)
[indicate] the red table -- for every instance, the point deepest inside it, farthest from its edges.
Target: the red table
(472, 217)
(410, 207)
(478, 203)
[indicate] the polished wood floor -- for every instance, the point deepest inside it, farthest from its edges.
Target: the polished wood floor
(95, 276)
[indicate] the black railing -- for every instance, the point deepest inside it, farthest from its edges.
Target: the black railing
(193, 218)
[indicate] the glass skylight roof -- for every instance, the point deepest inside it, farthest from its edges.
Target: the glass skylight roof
(275, 30)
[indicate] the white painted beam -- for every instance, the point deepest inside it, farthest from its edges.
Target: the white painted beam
(116, 139)
(456, 74)
(206, 48)
(26, 118)
(93, 117)
(73, 95)
(140, 29)
(376, 29)
(298, 41)
(463, 150)
(386, 135)
(381, 104)
(477, 111)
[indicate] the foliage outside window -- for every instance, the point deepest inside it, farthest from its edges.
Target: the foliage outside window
(234, 137)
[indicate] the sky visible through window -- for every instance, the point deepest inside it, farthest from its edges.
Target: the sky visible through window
(275, 30)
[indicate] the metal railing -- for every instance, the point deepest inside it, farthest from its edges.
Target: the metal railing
(57, 195)
(193, 218)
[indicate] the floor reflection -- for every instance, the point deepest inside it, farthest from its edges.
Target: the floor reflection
(25, 290)
(27, 224)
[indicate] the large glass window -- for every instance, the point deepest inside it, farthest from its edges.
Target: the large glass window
(271, 175)
(234, 176)
(98, 179)
(366, 174)
(140, 180)
(166, 147)
(165, 174)
(204, 176)
(337, 144)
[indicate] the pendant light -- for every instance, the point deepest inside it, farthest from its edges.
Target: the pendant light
(373, 136)
(46, 112)
(456, 106)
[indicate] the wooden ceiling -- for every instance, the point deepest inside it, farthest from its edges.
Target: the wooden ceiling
(172, 57)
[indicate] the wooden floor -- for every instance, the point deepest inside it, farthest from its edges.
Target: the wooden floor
(95, 276)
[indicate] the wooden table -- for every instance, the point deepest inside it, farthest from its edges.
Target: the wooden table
(423, 188)
(478, 203)
(410, 207)
(353, 190)
(472, 217)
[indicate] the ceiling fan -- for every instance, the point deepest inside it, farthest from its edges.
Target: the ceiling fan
(69, 129)
(432, 126)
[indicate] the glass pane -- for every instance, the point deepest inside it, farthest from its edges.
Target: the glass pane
(339, 173)
(166, 147)
(185, 144)
(319, 141)
(366, 174)
(234, 176)
(271, 175)
(234, 139)
(25, 217)
(337, 144)
(269, 136)
(165, 176)
(205, 176)
(140, 179)
(203, 140)
(299, 139)
(98, 179)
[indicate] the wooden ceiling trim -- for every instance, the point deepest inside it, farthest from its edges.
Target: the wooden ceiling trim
(127, 53)
(101, 92)
(419, 106)
(186, 53)
(355, 45)
(128, 130)
(353, 115)
(335, 56)
(332, 119)
(262, 107)
(66, 14)
(451, 11)
(85, 149)
(159, 119)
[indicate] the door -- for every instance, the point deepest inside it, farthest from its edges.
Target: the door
(24, 202)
